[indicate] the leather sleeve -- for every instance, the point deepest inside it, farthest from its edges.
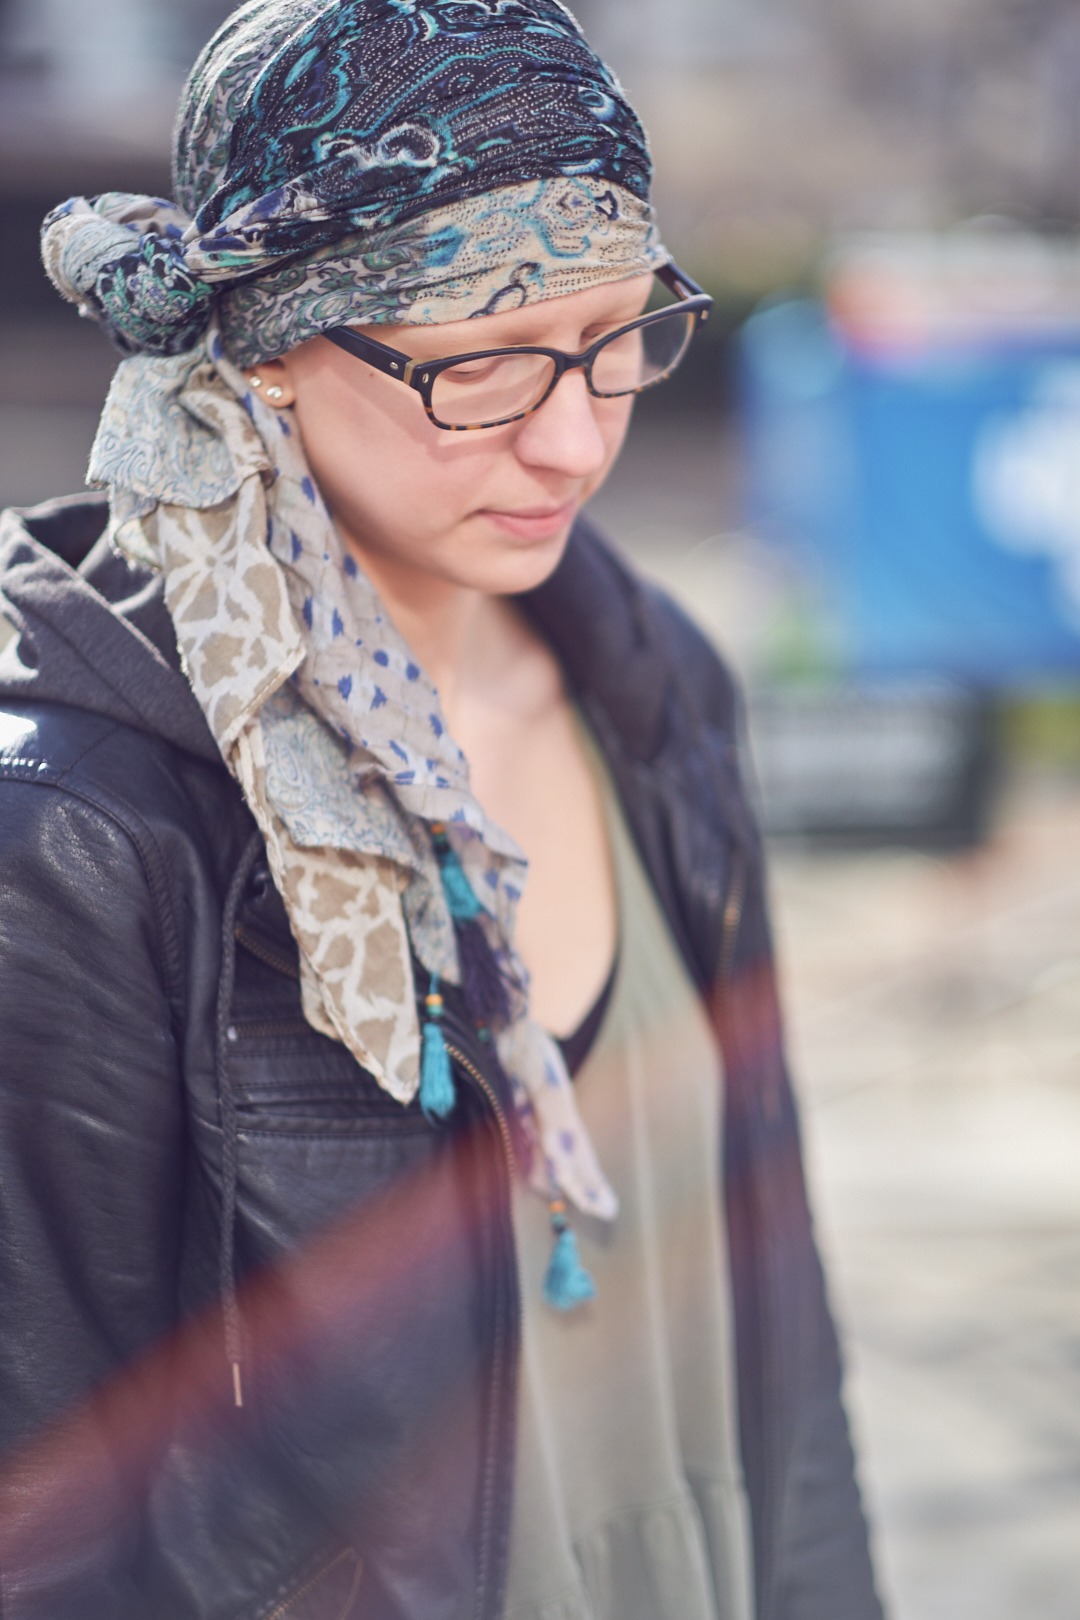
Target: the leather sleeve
(820, 1567)
(91, 1161)
(818, 1564)
(823, 1565)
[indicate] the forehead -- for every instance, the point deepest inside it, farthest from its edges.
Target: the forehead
(558, 322)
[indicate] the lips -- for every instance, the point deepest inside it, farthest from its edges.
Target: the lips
(533, 523)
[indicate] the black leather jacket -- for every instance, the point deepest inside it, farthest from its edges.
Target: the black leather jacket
(190, 1175)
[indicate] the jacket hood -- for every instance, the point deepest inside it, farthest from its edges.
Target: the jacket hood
(93, 631)
(91, 627)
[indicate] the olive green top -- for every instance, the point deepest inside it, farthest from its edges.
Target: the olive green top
(629, 1497)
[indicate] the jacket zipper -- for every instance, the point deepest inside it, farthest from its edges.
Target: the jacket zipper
(266, 952)
(282, 1609)
(268, 1029)
(489, 1488)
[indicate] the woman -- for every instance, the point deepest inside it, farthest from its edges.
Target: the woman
(384, 1236)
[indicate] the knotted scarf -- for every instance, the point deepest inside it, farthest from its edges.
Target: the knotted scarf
(369, 160)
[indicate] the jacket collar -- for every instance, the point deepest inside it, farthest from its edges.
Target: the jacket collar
(108, 637)
(92, 630)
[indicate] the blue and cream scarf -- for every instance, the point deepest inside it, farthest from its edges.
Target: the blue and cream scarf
(350, 161)
(334, 732)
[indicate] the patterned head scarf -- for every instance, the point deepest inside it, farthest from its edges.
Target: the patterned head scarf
(350, 161)
(369, 160)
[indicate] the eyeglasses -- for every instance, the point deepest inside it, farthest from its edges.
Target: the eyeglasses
(464, 392)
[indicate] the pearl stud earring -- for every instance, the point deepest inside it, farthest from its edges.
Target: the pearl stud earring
(275, 393)
(256, 382)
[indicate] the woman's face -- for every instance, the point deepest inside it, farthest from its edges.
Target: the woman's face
(488, 510)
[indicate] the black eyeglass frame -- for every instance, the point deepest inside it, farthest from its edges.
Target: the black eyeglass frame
(421, 374)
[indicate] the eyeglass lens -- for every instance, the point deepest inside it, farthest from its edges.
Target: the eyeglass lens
(490, 389)
(642, 356)
(493, 388)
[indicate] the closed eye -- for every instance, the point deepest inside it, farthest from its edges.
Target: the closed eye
(472, 370)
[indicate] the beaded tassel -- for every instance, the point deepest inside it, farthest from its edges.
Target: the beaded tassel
(481, 981)
(460, 896)
(566, 1283)
(437, 1095)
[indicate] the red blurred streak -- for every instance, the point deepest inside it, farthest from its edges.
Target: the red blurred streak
(88, 1470)
(72, 1483)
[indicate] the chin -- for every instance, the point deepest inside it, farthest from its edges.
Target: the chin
(514, 569)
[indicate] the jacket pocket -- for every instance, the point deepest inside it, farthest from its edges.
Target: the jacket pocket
(327, 1595)
(286, 1077)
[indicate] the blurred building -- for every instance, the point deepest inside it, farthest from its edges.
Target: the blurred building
(775, 122)
(81, 82)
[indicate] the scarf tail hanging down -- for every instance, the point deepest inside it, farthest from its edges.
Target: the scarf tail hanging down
(337, 738)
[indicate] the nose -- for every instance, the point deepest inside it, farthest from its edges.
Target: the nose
(565, 434)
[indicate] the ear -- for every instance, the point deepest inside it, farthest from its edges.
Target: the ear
(271, 381)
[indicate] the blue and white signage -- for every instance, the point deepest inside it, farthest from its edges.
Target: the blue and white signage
(934, 489)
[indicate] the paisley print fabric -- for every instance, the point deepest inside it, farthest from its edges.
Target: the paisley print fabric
(369, 160)
(497, 251)
(361, 109)
(120, 258)
(333, 730)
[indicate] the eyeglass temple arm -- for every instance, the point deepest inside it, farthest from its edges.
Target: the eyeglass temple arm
(677, 281)
(396, 364)
(379, 355)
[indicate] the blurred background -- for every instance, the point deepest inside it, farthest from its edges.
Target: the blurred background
(866, 486)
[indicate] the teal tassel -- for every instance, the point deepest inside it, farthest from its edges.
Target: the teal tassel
(486, 994)
(459, 892)
(567, 1283)
(437, 1095)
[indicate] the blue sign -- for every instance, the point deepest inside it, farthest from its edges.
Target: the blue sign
(934, 491)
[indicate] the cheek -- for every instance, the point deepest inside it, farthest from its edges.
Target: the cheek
(615, 430)
(613, 419)
(384, 471)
